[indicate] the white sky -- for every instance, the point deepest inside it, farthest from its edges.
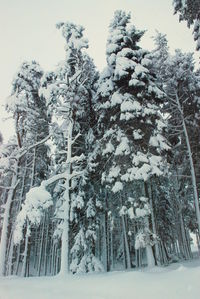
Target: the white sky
(27, 32)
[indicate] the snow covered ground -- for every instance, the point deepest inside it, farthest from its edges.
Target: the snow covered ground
(178, 281)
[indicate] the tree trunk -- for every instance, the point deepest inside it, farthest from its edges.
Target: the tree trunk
(150, 257)
(154, 227)
(149, 250)
(41, 247)
(17, 260)
(127, 251)
(10, 255)
(111, 244)
(23, 271)
(64, 266)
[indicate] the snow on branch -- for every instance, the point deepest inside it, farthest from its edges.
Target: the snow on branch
(76, 137)
(38, 199)
(53, 179)
(34, 145)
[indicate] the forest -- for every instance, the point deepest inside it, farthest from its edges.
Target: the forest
(103, 170)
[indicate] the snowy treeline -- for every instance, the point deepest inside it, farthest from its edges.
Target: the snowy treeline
(103, 170)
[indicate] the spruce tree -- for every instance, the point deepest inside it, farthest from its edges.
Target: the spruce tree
(132, 140)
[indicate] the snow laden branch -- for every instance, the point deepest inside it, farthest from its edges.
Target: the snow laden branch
(76, 137)
(32, 146)
(20, 155)
(61, 176)
(38, 199)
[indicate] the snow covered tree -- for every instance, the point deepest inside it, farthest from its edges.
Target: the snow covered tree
(69, 92)
(114, 186)
(189, 10)
(183, 90)
(131, 123)
(9, 181)
(159, 56)
(180, 83)
(29, 159)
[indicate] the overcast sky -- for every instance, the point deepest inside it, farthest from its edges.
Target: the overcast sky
(27, 32)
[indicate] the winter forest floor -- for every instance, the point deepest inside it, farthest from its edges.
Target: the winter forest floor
(178, 281)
